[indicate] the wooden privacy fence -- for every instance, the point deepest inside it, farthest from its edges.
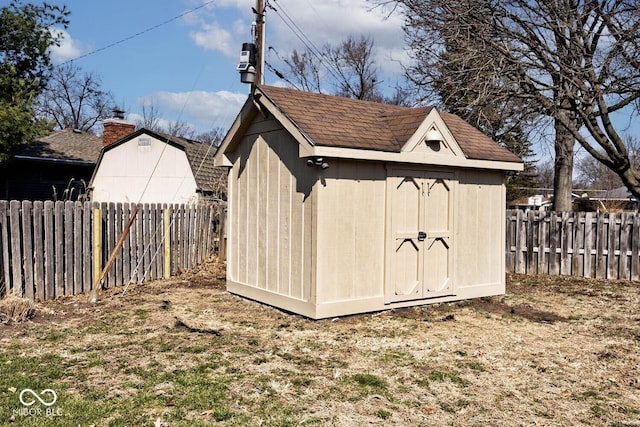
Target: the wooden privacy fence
(583, 244)
(50, 249)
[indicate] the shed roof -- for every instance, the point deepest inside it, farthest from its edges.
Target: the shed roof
(334, 121)
(67, 145)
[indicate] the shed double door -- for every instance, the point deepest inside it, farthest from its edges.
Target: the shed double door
(420, 231)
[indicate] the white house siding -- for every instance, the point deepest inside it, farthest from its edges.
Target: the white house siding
(154, 173)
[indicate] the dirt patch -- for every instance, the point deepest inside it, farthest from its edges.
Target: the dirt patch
(181, 352)
(495, 305)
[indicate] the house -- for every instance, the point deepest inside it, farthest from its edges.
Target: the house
(144, 166)
(339, 206)
(54, 167)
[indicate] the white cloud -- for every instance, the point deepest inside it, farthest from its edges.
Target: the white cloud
(317, 23)
(68, 49)
(204, 110)
(332, 21)
(214, 37)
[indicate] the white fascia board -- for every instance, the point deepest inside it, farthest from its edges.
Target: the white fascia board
(306, 144)
(413, 158)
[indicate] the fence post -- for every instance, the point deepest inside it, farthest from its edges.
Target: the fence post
(167, 242)
(97, 245)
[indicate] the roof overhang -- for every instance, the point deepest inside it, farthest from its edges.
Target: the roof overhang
(57, 161)
(259, 103)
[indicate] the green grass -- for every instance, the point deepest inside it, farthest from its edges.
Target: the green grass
(370, 380)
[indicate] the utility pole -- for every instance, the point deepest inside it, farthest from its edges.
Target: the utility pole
(252, 56)
(259, 40)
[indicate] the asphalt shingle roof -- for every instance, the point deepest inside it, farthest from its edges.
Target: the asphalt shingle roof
(349, 123)
(67, 144)
(200, 157)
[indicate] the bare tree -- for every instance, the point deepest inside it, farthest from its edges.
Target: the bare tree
(544, 173)
(575, 61)
(305, 71)
(73, 99)
(352, 61)
(152, 120)
(150, 117)
(212, 137)
(592, 174)
(349, 67)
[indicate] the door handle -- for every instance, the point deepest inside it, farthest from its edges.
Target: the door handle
(422, 235)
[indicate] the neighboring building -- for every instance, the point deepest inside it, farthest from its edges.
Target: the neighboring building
(615, 200)
(535, 203)
(152, 167)
(339, 206)
(54, 167)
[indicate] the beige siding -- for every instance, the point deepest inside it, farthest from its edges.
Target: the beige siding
(480, 229)
(270, 214)
(351, 231)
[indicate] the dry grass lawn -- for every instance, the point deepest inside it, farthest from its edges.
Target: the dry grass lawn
(554, 351)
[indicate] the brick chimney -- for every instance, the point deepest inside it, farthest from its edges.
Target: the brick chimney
(116, 128)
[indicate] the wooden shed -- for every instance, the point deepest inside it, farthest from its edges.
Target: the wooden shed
(339, 206)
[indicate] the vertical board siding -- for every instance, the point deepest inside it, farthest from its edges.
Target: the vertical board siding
(47, 248)
(582, 244)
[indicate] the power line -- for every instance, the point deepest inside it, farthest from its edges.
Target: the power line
(138, 34)
(308, 43)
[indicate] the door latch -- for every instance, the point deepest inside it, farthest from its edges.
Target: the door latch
(422, 235)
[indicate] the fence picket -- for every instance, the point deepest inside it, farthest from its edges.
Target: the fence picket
(5, 271)
(38, 250)
(78, 267)
(49, 252)
(119, 224)
(27, 249)
(635, 248)
(15, 248)
(588, 245)
(87, 261)
(126, 248)
(68, 247)
(625, 230)
(553, 243)
(577, 241)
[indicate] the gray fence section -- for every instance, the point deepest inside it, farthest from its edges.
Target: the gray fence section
(585, 244)
(51, 249)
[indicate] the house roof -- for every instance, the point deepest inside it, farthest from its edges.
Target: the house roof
(70, 145)
(199, 156)
(334, 121)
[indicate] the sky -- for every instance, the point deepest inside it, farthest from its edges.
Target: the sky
(181, 55)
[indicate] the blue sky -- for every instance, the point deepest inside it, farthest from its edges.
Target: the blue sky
(181, 55)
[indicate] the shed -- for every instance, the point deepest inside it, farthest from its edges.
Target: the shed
(339, 206)
(152, 167)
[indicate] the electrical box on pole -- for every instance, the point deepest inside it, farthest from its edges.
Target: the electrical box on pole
(251, 66)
